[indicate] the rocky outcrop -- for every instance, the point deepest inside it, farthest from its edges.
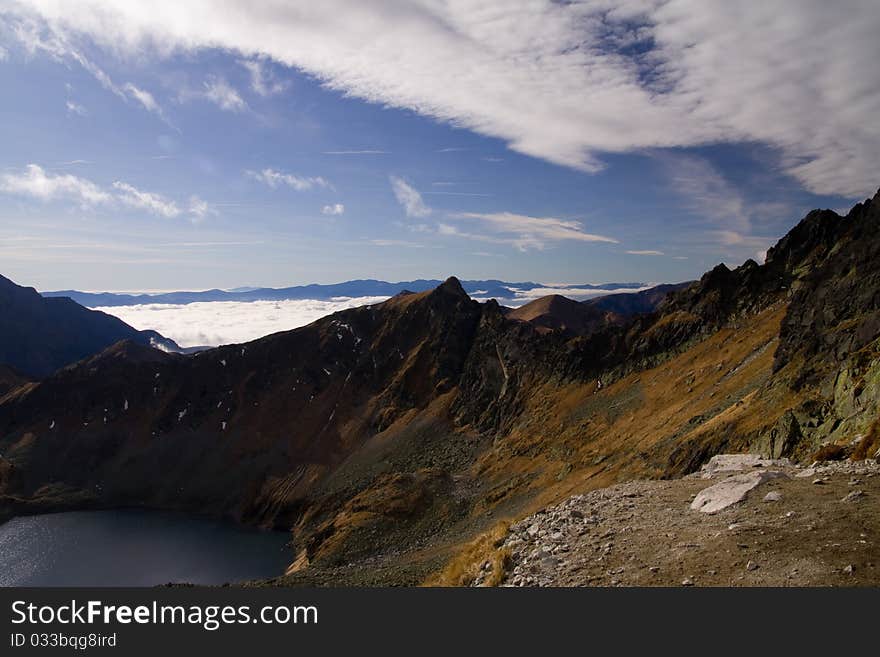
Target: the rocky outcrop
(732, 490)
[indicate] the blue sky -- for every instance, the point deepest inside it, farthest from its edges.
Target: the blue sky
(189, 150)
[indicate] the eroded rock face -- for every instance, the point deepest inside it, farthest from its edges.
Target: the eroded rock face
(732, 490)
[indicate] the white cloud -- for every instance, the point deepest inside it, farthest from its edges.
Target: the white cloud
(525, 232)
(4, 54)
(34, 181)
(153, 203)
(144, 97)
(263, 81)
(225, 322)
(409, 198)
(225, 96)
(522, 297)
(565, 82)
(76, 108)
(57, 45)
(646, 253)
(335, 209)
(705, 192)
(277, 178)
(199, 209)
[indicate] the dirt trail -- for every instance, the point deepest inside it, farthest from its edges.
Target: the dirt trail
(818, 526)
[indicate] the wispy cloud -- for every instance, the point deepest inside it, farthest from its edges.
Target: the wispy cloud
(151, 202)
(275, 179)
(525, 232)
(356, 152)
(409, 198)
(645, 253)
(704, 191)
(263, 81)
(4, 54)
(55, 43)
(144, 97)
(199, 209)
(76, 108)
(334, 209)
(35, 182)
(223, 95)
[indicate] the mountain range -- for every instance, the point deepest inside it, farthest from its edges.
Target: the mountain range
(352, 289)
(391, 439)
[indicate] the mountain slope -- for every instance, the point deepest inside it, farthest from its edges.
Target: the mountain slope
(388, 436)
(558, 313)
(39, 335)
(636, 303)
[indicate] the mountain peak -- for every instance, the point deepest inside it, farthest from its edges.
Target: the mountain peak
(452, 286)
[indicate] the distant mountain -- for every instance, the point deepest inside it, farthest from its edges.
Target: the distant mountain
(357, 288)
(635, 303)
(40, 335)
(559, 313)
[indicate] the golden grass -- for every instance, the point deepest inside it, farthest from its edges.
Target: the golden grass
(869, 444)
(467, 564)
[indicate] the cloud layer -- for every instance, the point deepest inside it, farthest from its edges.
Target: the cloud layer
(225, 322)
(565, 82)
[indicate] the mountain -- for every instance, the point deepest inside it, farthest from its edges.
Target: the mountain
(395, 441)
(40, 335)
(635, 303)
(353, 289)
(559, 313)
(10, 379)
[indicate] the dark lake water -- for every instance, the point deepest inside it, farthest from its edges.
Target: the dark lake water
(134, 548)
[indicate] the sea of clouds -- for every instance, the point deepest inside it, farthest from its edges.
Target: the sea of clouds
(213, 323)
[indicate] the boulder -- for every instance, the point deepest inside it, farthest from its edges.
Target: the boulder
(722, 464)
(732, 490)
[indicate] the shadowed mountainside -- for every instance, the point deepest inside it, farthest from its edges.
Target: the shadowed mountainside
(386, 437)
(636, 303)
(40, 335)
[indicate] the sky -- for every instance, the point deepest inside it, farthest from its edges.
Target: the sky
(170, 145)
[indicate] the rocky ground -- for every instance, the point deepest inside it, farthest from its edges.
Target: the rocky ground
(778, 525)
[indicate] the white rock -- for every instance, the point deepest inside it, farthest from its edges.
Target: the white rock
(773, 496)
(731, 490)
(727, 463)
(853, 496)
